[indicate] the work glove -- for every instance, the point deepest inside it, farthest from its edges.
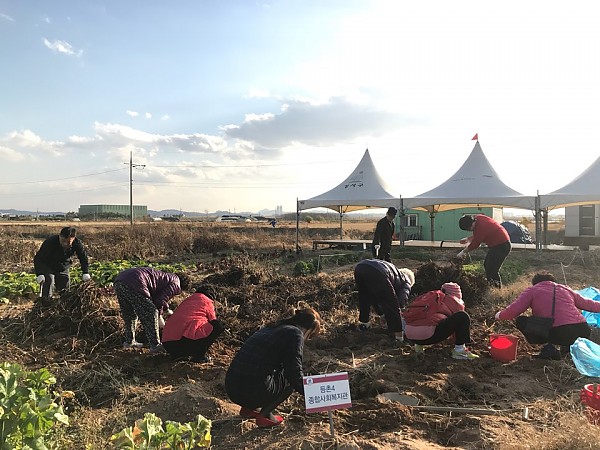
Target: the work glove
(40, 279)
(168, 313)
(86, 277)
(462, 253)
(497, 316)
(161, 321)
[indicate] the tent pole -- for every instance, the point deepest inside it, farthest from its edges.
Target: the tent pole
(297, 227)
(432, 224)
(538, 225)
(401, 227)
(341, 224)
(545, 223)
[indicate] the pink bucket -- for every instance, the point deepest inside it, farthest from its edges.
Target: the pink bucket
(503, 347)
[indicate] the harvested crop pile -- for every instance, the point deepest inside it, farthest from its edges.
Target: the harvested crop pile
(84, 312)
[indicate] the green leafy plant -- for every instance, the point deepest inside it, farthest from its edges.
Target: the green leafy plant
(148, 433)
(303, 268)
(29, 411)
(17, 284)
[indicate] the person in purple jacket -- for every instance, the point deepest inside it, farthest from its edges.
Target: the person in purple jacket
(569, 324)
(143, 294)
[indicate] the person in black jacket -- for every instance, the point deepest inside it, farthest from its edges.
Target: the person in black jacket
(54, 259)
(386, 288)
(268, 367)
(382, 239)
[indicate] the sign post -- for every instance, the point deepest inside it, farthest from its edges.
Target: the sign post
(326, 393)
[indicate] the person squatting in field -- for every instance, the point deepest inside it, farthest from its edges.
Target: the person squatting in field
(193, 327)
(267, 369)
(385, 288)
(486, 230)
(143, 293)
(436, 315)
(53, 261)
(568, 325)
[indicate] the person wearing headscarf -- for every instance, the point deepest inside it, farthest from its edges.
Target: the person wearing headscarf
(192, 328)
(267, 369)
(436, 315)
(385, 288)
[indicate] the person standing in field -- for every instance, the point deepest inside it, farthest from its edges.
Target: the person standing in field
(144, 293)
(384, 233)
(53, 261)
(267, 369)
(192, 328)
(384, 287)
(486, 230)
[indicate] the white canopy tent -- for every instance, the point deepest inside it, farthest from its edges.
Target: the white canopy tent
(363, 189)
(582, 190)
(476, 183)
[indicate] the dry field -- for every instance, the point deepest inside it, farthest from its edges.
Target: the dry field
(251, 270)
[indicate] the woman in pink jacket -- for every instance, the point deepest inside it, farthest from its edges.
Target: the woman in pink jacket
(436, 315)
(569, 323)
(192, 328)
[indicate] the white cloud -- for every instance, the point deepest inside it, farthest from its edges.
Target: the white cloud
(6, 17)
(165, 117)
(8, 154)
(62, 47)
(335, 121)
(132, 113)
(27, 141)
(148, 115)
(257, 93)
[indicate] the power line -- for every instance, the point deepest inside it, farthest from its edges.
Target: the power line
(62, 179)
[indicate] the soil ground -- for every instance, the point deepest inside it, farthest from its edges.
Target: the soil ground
(114, 387)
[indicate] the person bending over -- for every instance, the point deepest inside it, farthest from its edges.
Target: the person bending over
(192, 328)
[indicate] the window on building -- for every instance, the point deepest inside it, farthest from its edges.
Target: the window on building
(411, 220)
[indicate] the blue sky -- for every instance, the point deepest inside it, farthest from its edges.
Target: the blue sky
(243, 105)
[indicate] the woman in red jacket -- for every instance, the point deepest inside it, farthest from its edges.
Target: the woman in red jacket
(435, 316)
(192, 328)
(487, 231)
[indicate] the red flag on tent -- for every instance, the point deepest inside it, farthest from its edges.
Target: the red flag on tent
(475, 138)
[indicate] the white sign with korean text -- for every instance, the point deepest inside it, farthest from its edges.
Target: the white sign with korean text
(327, 392)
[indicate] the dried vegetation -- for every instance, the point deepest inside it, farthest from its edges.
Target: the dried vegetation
(249, 270)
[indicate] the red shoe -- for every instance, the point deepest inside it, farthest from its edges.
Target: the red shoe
(248, 413)
(265, 422)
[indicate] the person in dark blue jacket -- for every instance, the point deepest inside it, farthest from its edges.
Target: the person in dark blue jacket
(54, 259)
(268, 367)
(384, 287)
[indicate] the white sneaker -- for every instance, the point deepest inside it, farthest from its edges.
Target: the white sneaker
(130, 345)
(464, 354)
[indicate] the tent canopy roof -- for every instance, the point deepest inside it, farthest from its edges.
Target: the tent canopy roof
(363, 189)
(476, 183)
(581, 191)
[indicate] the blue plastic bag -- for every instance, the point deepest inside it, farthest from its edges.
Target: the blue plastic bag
(592, 318)
(586, 356)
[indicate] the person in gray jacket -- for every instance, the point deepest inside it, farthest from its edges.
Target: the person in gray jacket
(384, 287)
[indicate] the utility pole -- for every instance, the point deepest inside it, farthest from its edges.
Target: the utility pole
(131, 166)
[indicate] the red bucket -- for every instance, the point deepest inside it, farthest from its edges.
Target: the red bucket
(590, 396)
(503, 347)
